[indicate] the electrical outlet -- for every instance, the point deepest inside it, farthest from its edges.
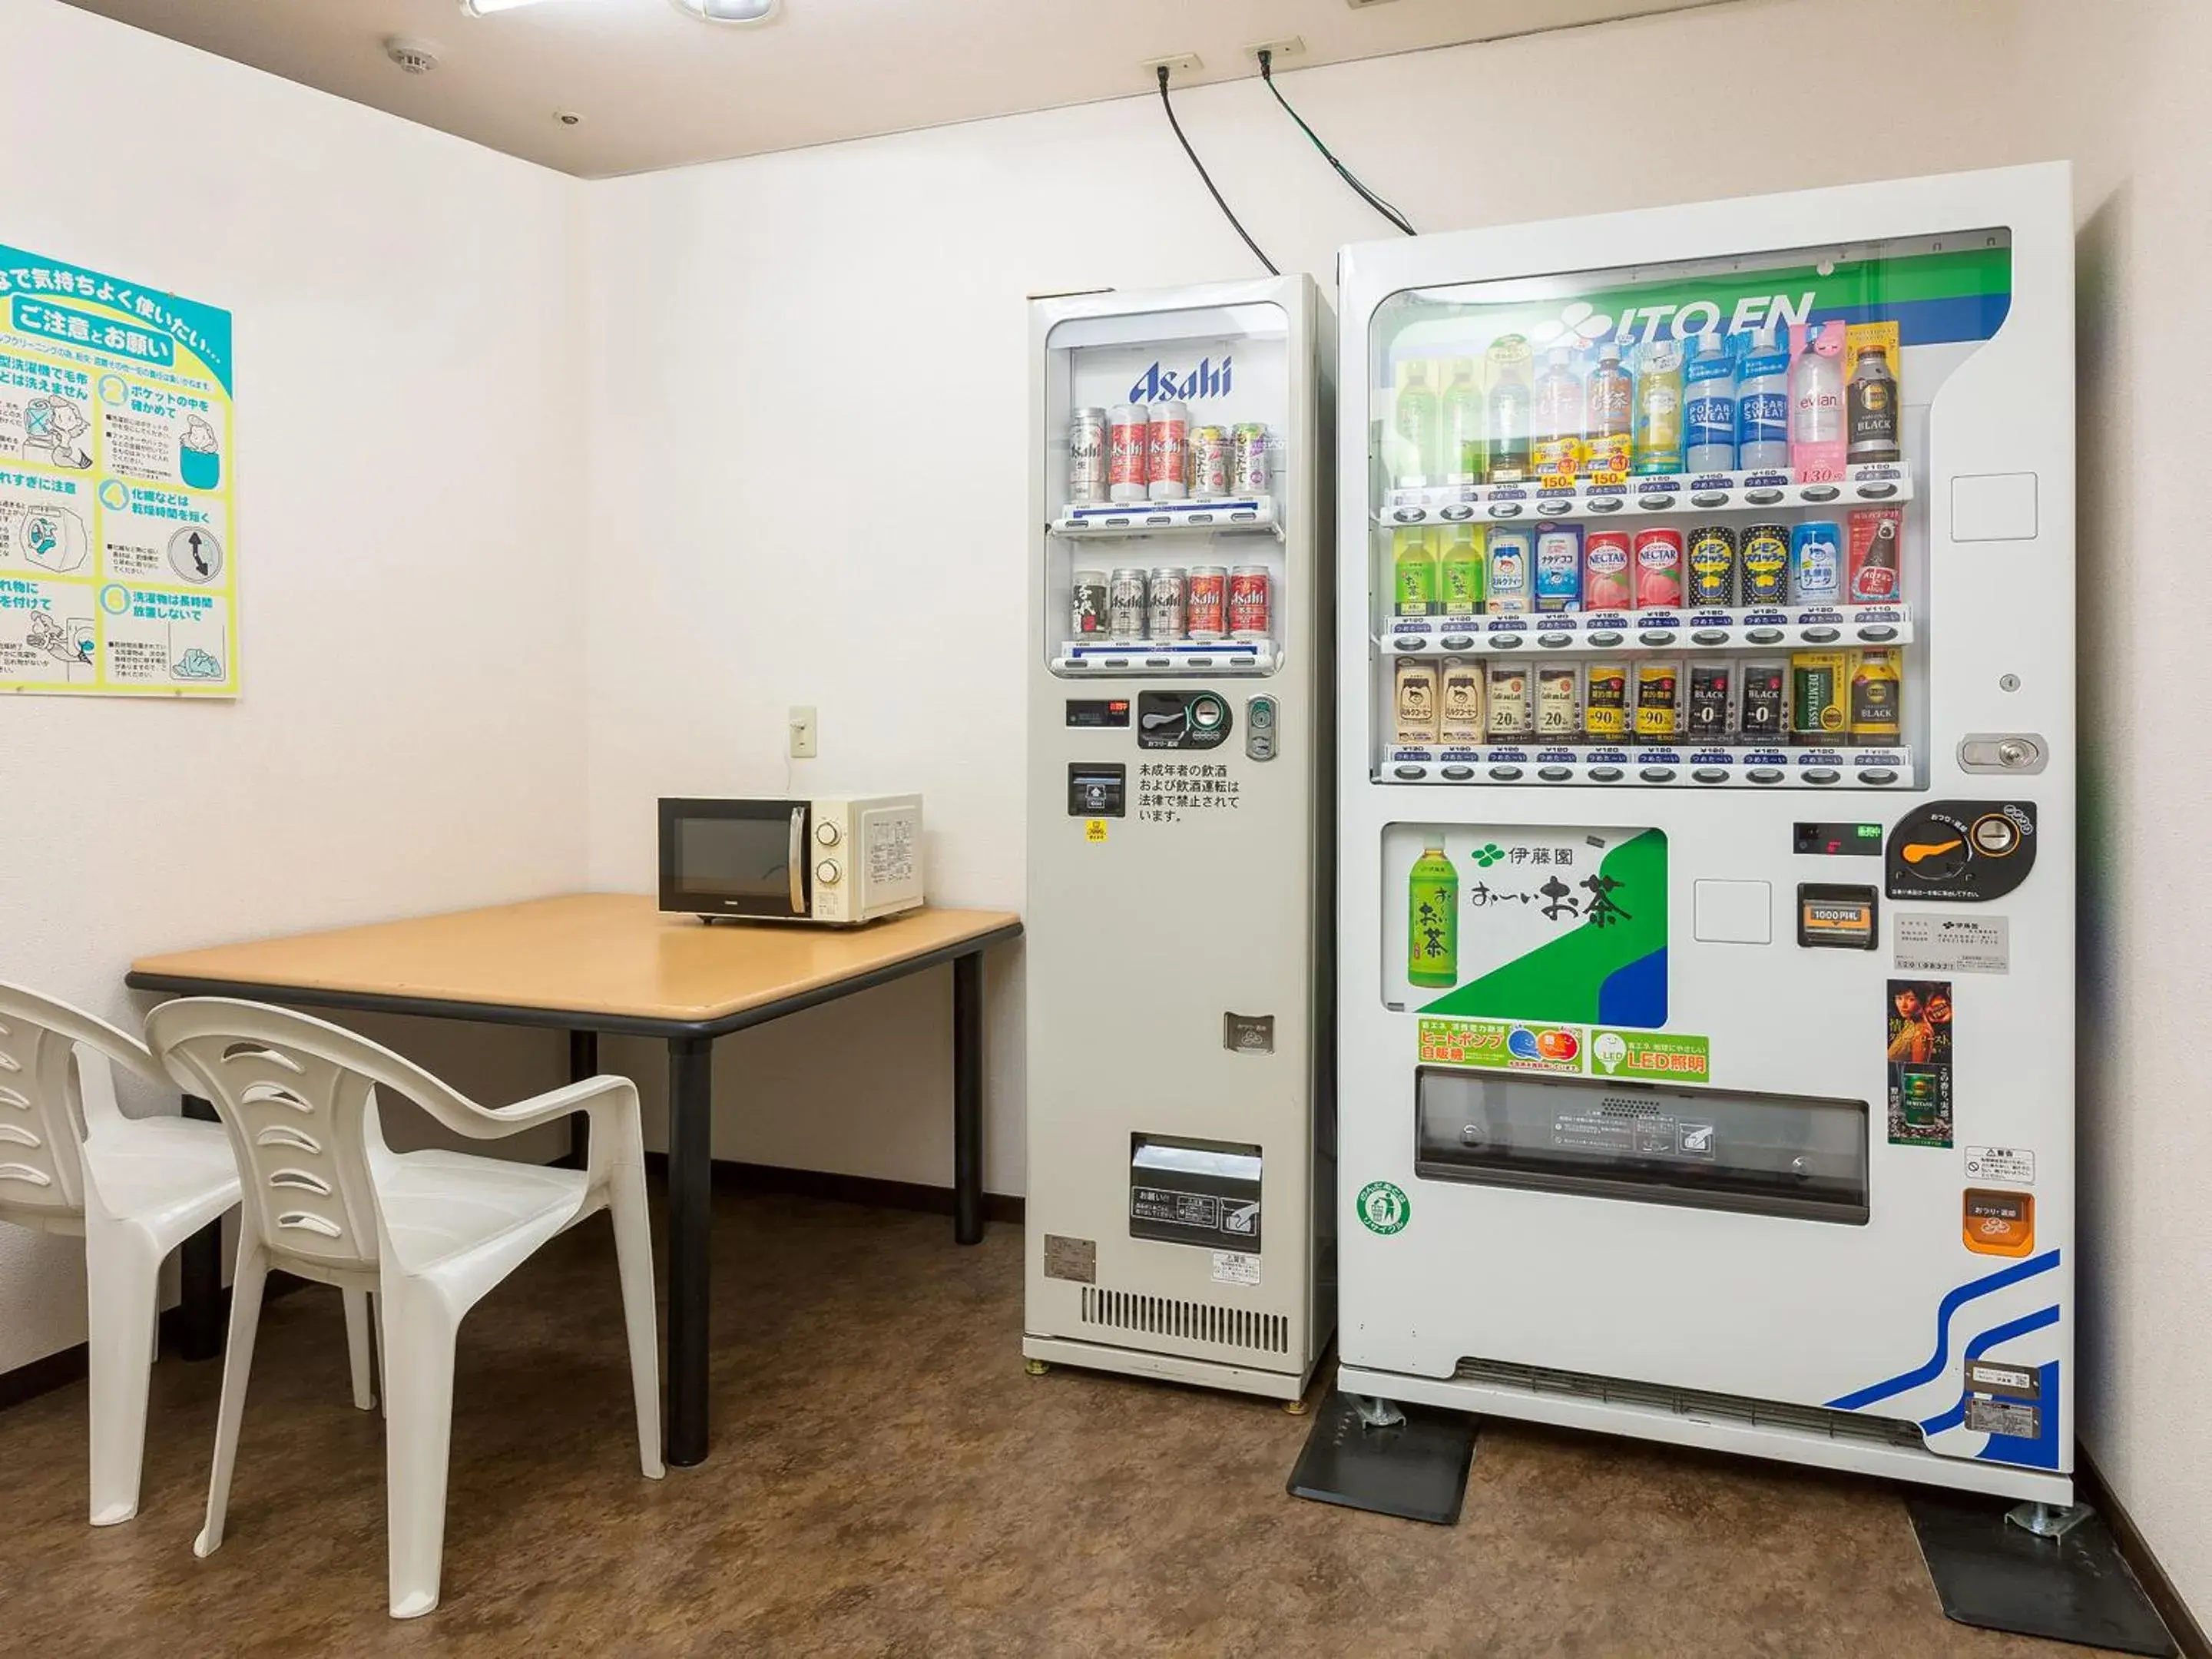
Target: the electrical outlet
(801, 727)
(1283, 50)
(1179, 67)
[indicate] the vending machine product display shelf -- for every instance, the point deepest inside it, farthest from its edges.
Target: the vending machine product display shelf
(1151, 659)
(1652, 767)
(1580, 632)
(1660, 496)
(1240, 513)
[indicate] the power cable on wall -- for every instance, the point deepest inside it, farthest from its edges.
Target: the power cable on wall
(1267, 74)
(1207, 178)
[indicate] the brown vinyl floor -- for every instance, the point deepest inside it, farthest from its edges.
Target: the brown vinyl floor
(886, 1479)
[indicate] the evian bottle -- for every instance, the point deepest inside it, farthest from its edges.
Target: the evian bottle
(1816, 406)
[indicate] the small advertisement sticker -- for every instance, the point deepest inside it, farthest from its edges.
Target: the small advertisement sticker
(2014, 1165)
(1953, 945)
(1919, 1032)
(1503, 1045)
(1661, 1056)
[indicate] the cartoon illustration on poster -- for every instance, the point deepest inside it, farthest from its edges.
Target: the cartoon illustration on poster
(118, 544)
(1547, 923)
(1919, 1033)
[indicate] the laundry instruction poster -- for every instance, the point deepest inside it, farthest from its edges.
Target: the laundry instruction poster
(118, 555)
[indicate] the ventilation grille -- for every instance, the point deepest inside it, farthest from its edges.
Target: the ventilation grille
(1692, 1402)
(1192, 1322)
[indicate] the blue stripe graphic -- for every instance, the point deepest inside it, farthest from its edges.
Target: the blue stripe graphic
(1951, 1303)
(1980, 1345)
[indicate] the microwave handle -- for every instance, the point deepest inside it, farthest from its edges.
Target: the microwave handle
(798, 861)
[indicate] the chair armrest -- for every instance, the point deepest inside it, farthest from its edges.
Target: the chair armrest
(498, 1121)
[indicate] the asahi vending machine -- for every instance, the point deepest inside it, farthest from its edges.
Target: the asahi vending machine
(1707, 822)
(1180, 772)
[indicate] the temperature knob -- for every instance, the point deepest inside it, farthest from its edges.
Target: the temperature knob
(827, 873)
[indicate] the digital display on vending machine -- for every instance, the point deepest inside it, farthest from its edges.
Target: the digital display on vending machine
(1839, 840)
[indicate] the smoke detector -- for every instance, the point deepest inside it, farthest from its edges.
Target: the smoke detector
(416, 57)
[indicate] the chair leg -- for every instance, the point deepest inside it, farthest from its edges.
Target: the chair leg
(418, 1389)
(359, 1349)
(247, 1281)
(122, 1277)
(634, 1259)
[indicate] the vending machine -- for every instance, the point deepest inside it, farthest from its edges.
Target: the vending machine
(1182, 775)
(1707, 819)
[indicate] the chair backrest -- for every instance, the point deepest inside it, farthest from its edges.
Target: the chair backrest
(297, 1096)
(50, 1099)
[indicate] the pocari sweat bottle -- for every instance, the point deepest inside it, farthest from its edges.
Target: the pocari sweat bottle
(1710, 397)
(1762, 404)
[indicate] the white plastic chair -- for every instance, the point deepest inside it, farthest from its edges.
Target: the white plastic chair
(132, 1188)
(431, 1232)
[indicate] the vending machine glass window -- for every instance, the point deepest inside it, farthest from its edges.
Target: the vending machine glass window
(1658, 523)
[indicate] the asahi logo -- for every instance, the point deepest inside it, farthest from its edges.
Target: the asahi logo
(1582, 324)
(1163, 385)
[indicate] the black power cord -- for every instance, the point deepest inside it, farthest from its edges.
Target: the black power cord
(1267, 74)
(1208, 179)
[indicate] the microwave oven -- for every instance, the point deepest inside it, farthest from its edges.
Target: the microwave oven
(839, 862)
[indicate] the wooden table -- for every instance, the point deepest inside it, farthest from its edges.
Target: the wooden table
(588, 963)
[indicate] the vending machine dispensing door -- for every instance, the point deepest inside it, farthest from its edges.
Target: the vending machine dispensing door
(1179, 911)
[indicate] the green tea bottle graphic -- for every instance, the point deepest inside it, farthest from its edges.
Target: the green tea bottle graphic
(1432, 921)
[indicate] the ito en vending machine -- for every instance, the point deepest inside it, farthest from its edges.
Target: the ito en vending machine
(1707, 815)
(1180, 780)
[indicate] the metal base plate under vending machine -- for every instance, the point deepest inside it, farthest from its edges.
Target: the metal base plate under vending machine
(1707, 826)
(1181, 779)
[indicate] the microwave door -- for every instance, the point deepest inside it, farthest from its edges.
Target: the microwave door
(740, 860)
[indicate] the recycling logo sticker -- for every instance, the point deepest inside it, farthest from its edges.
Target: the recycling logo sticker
(1383, 1207)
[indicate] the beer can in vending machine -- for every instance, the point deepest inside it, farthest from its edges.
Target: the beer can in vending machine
(1512, 551)
(1658, 701)
(1559, 582)
(1512, 719)
(1606, 585)
(1206, 602)
(1087, 442)
(1248, 602)
(1604, 701)
(1127, 592)
(1712, 701)
(1087, 603)
(1762, 706)
(1128, 440)
(1765, 578)
(1876, 572)
(1167, 475)
(1658, 569)
(1816, 562)
(1712, 558)
(1164, 609)
(1209, 463)
(1249, 473)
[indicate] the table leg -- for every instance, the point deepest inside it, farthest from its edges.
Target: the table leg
(968, 1098)
(199, 1313)
(690, 1230)
(583, 1062)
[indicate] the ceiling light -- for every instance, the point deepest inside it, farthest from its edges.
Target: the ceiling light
(486, 8)
(729, 11)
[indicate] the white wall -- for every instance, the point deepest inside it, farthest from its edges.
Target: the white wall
(776, 332)
(411, 735)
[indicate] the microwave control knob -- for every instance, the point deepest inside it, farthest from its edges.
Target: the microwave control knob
(827, 873)
(827, 835)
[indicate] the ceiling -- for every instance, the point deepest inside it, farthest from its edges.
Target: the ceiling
(656, 88)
